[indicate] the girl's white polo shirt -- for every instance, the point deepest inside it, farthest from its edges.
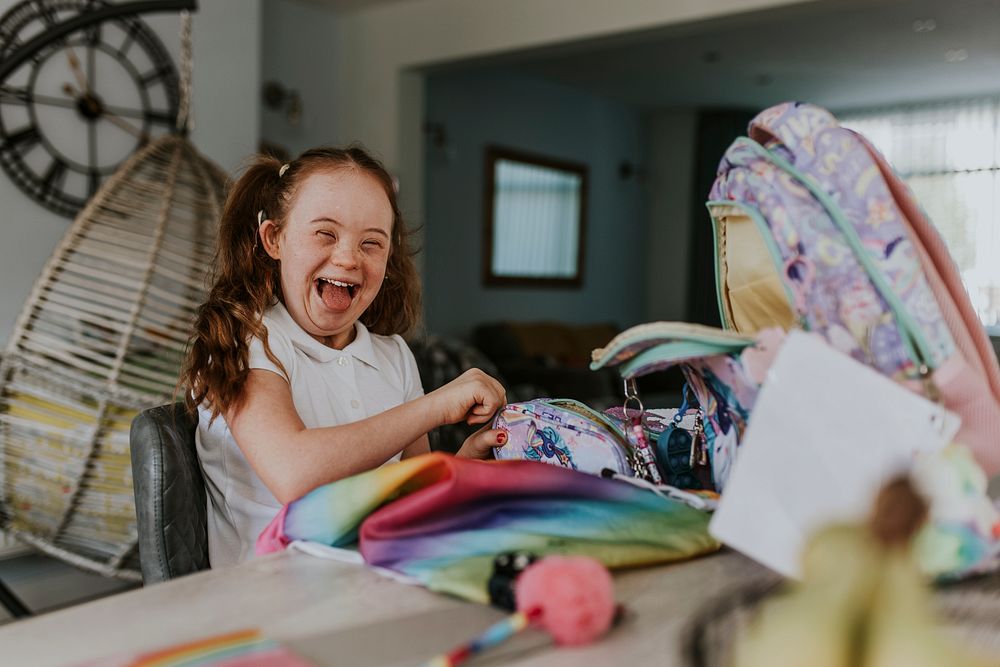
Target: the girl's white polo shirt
(329, 387)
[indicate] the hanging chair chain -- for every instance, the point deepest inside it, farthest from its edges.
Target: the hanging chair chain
(185, 122)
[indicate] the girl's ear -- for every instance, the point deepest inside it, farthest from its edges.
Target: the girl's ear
(270, 238)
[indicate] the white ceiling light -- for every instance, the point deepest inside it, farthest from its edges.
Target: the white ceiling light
(956, 55)
(924, 25)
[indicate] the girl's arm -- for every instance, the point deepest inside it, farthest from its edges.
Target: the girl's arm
(479, 445)
(292, 460)
(421, 446)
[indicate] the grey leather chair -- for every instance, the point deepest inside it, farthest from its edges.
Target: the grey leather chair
(170, 497)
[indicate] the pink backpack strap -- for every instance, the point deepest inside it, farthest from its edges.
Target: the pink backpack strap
(793, 125)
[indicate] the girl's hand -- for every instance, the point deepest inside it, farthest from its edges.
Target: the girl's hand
(472, 397)
(480, 444)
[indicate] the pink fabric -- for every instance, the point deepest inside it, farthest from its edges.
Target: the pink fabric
(970, 386)
(446, 488)
(273, 538)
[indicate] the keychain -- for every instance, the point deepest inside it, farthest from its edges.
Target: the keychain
(637, 435)
(699, 452)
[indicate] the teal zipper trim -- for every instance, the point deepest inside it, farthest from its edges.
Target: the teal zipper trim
(772, 249)
(916, 346)
(676, 351)
(714, 341)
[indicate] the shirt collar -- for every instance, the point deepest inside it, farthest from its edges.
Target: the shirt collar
(361, 348)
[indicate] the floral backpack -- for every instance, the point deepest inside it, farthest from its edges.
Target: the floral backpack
(814, 230)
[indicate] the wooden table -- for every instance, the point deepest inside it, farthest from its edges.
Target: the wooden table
(341, 614)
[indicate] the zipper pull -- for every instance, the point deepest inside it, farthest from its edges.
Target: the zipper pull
(696, 439)
(699, 445)
(931, 390)
(637, 434)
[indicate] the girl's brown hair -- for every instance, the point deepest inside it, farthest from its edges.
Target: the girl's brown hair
(246, 282)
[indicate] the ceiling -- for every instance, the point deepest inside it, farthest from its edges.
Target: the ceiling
(838, 53)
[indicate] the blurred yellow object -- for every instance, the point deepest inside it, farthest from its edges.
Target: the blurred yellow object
(862, 603)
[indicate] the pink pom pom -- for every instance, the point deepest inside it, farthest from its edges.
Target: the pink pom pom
(575, 595)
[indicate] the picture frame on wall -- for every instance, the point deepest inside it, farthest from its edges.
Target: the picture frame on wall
(535, 214)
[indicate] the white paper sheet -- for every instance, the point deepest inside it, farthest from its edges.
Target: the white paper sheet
(824, 435)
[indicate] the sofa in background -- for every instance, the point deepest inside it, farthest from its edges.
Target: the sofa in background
(554, 357)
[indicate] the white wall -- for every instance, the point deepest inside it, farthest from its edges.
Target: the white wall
(670, 154)
(299, 52)
(379, 100)
(227, 126)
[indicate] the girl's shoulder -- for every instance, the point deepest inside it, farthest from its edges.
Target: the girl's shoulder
(392, 347)
(278, 339)
(394, 352)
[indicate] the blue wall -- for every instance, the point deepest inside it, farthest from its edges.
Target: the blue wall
(514, 111)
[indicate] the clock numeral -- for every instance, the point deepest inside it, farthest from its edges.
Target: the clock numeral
(156, 74)
(133, 30)
(46, 13)
(26, 138)
(10, 42)
(54, 176)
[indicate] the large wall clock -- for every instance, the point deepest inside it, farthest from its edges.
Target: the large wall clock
(82, 87)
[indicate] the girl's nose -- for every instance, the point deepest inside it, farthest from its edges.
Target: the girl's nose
(344, 255)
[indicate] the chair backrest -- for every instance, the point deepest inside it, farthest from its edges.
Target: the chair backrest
(170, 497)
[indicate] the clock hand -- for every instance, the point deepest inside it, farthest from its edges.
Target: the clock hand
(74, 64)
(127, 126)
(102, 111)
(18, 96)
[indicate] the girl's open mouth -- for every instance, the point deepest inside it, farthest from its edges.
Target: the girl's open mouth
(336, 294)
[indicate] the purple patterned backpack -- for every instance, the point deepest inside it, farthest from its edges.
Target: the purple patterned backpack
(814, 230)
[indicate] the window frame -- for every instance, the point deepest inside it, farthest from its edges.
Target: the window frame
(492, 155)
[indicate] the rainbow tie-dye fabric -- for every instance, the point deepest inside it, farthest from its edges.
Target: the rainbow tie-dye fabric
(442, 520)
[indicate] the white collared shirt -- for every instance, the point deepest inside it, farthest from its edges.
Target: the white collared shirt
(329, 387)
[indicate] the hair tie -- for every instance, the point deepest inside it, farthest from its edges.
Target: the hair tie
(260, 217)
(284, 168)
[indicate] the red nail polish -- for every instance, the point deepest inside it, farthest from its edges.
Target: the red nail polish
(501, 437)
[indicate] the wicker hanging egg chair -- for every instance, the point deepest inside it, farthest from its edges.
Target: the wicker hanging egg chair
(101, 337)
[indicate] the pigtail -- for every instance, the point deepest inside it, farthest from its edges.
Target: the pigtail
(245, 283)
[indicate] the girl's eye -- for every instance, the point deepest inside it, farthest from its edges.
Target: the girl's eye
(372, 244)
(327, 234)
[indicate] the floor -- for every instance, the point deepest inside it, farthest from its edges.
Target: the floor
(45, 584)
